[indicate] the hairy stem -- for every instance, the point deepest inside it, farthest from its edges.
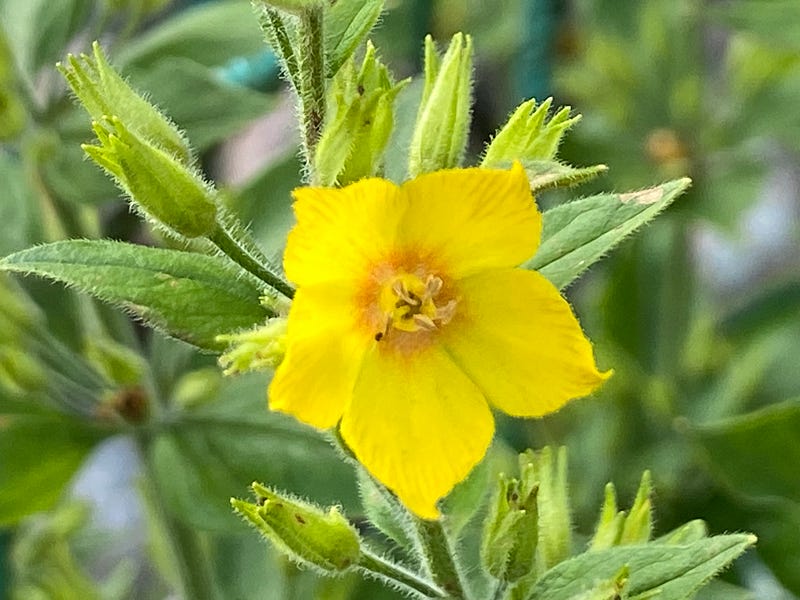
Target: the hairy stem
(239, 252)
(440, 558)
(384, 569)
(312, 82)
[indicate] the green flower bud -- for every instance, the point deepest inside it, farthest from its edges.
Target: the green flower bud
(529, 135)
(440, 133)
(617, 528)
(103, 93)
(610, 523)
(639, 523)
(362, 107)
(159, 184)
(548, 470)
(303, 531)
(259, 349)
(511, 535)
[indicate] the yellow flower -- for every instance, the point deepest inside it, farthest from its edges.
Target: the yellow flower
(411, 320)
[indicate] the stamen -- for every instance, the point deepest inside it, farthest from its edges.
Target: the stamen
(425, 322)
(409, 305)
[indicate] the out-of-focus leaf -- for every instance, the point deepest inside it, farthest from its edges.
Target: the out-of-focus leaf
(773, 20)
(219, 449)
(774, 305)
(210, 34)
(758, 453)
(38, 30)
(76, 179)
(668, 572)
(40, 453)
(265, 202)
(347, 23)
(199, 101)
(17, 206)
(577, 234)
(189, 296)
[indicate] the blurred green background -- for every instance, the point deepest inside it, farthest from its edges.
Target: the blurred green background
(119, 449)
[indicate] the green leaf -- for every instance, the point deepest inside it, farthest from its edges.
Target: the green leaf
(577, 234)
(199, 101)
(39, 30)
(757, 453)
(189, 296)
(219, 449)
(17, 203)
(347, 23)
(671, 572)
(547, 174)
(40, 454)
(210, 34)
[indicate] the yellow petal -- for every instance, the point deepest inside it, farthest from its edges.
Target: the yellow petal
(323, 355)
(340, 232)
(470, 220)
(517, 339)
(418, 424)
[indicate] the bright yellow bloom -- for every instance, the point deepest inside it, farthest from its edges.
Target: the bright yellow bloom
(411, 320)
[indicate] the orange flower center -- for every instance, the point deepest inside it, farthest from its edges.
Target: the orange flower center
(409, 303)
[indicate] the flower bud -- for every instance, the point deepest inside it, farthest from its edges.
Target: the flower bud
(511, 534)
(259, 349)
(548, 470)
(440, 133)
(639, 523)
(158, 183)
(352, 142)
(529, 135)
(307, 534)
(103, 93)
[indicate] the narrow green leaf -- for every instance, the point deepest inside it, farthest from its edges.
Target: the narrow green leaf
(210, 34)
(670, 572)
(40, 454)
(577, 234)
(347, 24)
(188, 296)
(745, 450)
(550, 174)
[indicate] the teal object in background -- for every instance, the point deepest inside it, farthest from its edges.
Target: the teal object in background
(257, 72)
(534, 65)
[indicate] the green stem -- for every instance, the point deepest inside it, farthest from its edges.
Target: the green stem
(243, 256)
(441, 558)
(312, 82)
(274, 23)
(500, 590)
(187, 551)
(384, 569)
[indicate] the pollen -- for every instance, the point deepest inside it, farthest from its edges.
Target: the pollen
(411, 303)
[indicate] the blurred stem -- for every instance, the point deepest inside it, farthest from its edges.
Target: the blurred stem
(440, 557)
(500, 590)
(381, 568)
(312, 83)
(192, 563)
(247, 257)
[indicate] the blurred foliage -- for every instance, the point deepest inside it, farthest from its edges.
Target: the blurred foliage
(706, 385)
